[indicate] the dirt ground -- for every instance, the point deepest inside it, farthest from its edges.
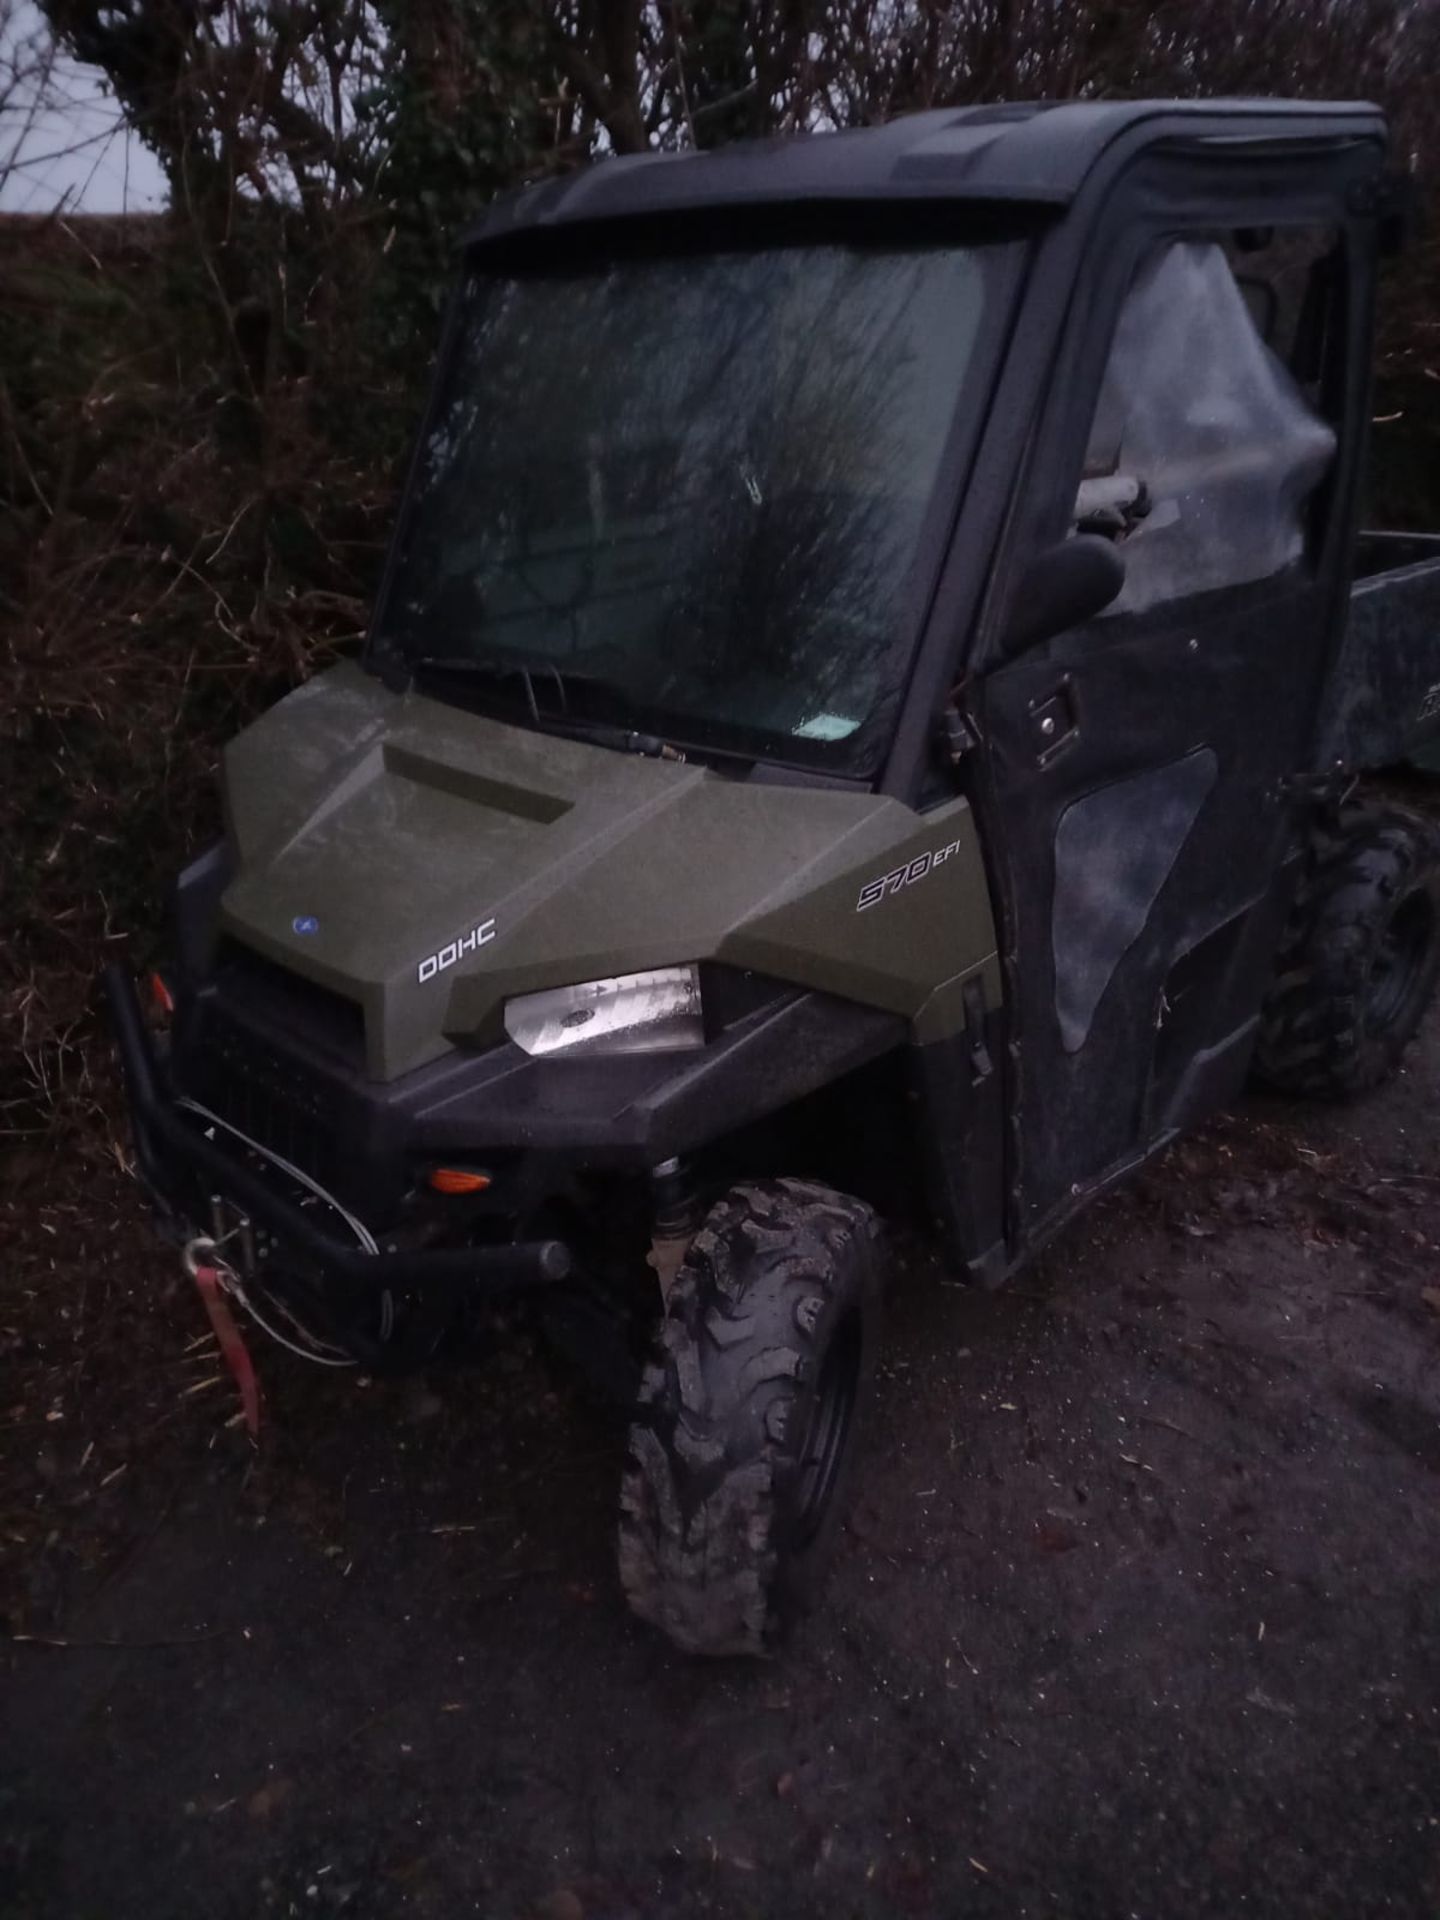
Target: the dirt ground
(1137, 1614)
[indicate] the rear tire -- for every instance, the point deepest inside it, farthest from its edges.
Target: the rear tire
(1359, 965)
(745, 1424)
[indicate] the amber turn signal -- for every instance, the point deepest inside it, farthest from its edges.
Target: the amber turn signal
(457, 1180)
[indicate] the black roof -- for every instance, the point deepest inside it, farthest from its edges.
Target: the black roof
(1039, 152)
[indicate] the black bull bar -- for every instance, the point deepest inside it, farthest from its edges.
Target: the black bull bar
(168, 1144)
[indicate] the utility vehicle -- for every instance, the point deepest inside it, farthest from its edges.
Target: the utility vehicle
(867, 705)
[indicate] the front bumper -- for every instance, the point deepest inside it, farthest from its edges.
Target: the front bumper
(183, 1164)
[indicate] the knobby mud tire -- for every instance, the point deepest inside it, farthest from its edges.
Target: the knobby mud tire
(1360, 960)
(745, 1423)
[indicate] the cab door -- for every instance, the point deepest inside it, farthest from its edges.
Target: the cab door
(1138, 767)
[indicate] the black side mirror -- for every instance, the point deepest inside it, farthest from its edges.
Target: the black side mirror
(1066, 584)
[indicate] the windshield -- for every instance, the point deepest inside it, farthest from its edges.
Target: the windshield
(684, 493)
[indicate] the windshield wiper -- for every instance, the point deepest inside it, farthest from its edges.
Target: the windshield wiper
(622, 739)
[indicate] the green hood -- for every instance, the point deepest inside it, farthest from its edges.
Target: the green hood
(429, 863)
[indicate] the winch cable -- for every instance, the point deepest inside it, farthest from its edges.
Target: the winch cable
(361, 1232)
(321, 1353)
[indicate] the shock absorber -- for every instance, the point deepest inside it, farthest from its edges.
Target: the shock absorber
(677, 1214)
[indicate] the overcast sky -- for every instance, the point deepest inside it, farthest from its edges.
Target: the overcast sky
(76, 151)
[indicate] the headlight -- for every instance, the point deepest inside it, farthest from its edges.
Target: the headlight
(655, 1012)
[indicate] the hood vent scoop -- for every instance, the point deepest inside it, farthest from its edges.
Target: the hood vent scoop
(502, 796)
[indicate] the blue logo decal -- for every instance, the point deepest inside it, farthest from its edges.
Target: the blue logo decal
(305, 923)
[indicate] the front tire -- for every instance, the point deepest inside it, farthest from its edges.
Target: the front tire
(745, 1425)
(1360, 962)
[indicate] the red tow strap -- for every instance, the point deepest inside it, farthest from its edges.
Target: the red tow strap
(232, 1345)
